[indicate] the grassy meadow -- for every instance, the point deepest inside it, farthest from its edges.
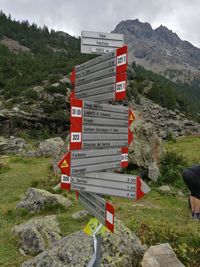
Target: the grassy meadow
(155, 218)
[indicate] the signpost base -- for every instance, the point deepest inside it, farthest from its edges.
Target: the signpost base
(96, 257)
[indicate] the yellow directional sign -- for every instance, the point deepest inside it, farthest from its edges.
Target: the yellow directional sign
(92, 226)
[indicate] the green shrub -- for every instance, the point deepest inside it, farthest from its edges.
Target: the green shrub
(172, 165)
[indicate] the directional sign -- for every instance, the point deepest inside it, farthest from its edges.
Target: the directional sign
(74, 163)
(112, 184)
(95, 125)
(99, 42)
(103, 78)
(98, 207)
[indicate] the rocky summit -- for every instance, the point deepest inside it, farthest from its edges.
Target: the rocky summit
(160, 49)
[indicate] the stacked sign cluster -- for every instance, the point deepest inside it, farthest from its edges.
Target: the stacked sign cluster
(99, 136)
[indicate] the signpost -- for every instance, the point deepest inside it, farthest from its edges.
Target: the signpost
(100, 133)
(75, 163)
(102, 78)
(99, 42)
(111, 184)
(98, 207)
(95, 125)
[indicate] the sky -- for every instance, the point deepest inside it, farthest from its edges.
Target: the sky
(73, 16)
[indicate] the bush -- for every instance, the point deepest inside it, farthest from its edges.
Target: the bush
(172, 165)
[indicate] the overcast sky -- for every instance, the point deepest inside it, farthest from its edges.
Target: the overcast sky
(72, 16)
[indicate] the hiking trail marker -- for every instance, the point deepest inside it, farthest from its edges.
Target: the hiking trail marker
(99, 42)
(100, 132)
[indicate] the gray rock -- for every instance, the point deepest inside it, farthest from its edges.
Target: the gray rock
(80, 214)
(50, 147)
(118, 250)
(146, 149)
(65, 80)
(37, 234)
(153, 171)
(13, 145)
(164, 189)
(37, 199)
(38, 89)
(161, 256)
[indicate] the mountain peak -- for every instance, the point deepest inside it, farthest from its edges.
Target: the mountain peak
(136, 28)
(160, 49)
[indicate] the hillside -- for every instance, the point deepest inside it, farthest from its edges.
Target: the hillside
(34, 66)
(160, 50)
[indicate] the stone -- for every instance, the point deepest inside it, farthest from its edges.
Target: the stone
(37, 234)
(164, 189)
(153, 171)
(146, 149)
(118, 250)
(14, 145)
(37, 199)
(50, 147)
(80, 214)
(161, 256)
(65, 80)
(38, 89)
(180, 194)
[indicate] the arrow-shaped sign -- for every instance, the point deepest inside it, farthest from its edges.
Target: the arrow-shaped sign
(98, 207)
(73, 163)
(112, 184)
(96, 125)
(102, 78)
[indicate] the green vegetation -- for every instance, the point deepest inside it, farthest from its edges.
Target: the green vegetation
(185, 97)
(51, 55)
(156, 218)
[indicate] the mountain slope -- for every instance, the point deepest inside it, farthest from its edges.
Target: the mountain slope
(160, 50)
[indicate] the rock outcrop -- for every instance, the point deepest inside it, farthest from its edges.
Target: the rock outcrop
(161, 256)
(146, 148)
(159, 49)
(118, 250)
(13, 145)
(37, 234)
(50, 147)
(37, 199)
(166, 123)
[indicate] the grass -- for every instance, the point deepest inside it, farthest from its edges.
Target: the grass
(156, 218)
(188, 146)
(19, 174)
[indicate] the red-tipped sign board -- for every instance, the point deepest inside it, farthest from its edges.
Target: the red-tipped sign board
(111, 184)
(95, 125)
(85, 161)
(102, 79)
(98, 207)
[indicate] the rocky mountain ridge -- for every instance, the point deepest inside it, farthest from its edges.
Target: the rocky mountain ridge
(160, 50)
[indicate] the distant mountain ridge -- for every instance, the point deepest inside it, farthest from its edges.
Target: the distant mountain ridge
(160, 50)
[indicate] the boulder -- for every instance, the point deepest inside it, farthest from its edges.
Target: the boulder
(118, 250)
(161, 256)
(13, 145)
(50, 147)
(37, 199)
(164, 189)
(80, 214)
(146, 149)
(37, 234)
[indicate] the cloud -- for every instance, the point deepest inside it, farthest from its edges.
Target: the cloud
(72, 16)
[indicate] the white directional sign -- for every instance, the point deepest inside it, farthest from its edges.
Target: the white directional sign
(99, 42)
(98, 207)
(103, 78)
(95, 125)
(112, 184)
(76, 163)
